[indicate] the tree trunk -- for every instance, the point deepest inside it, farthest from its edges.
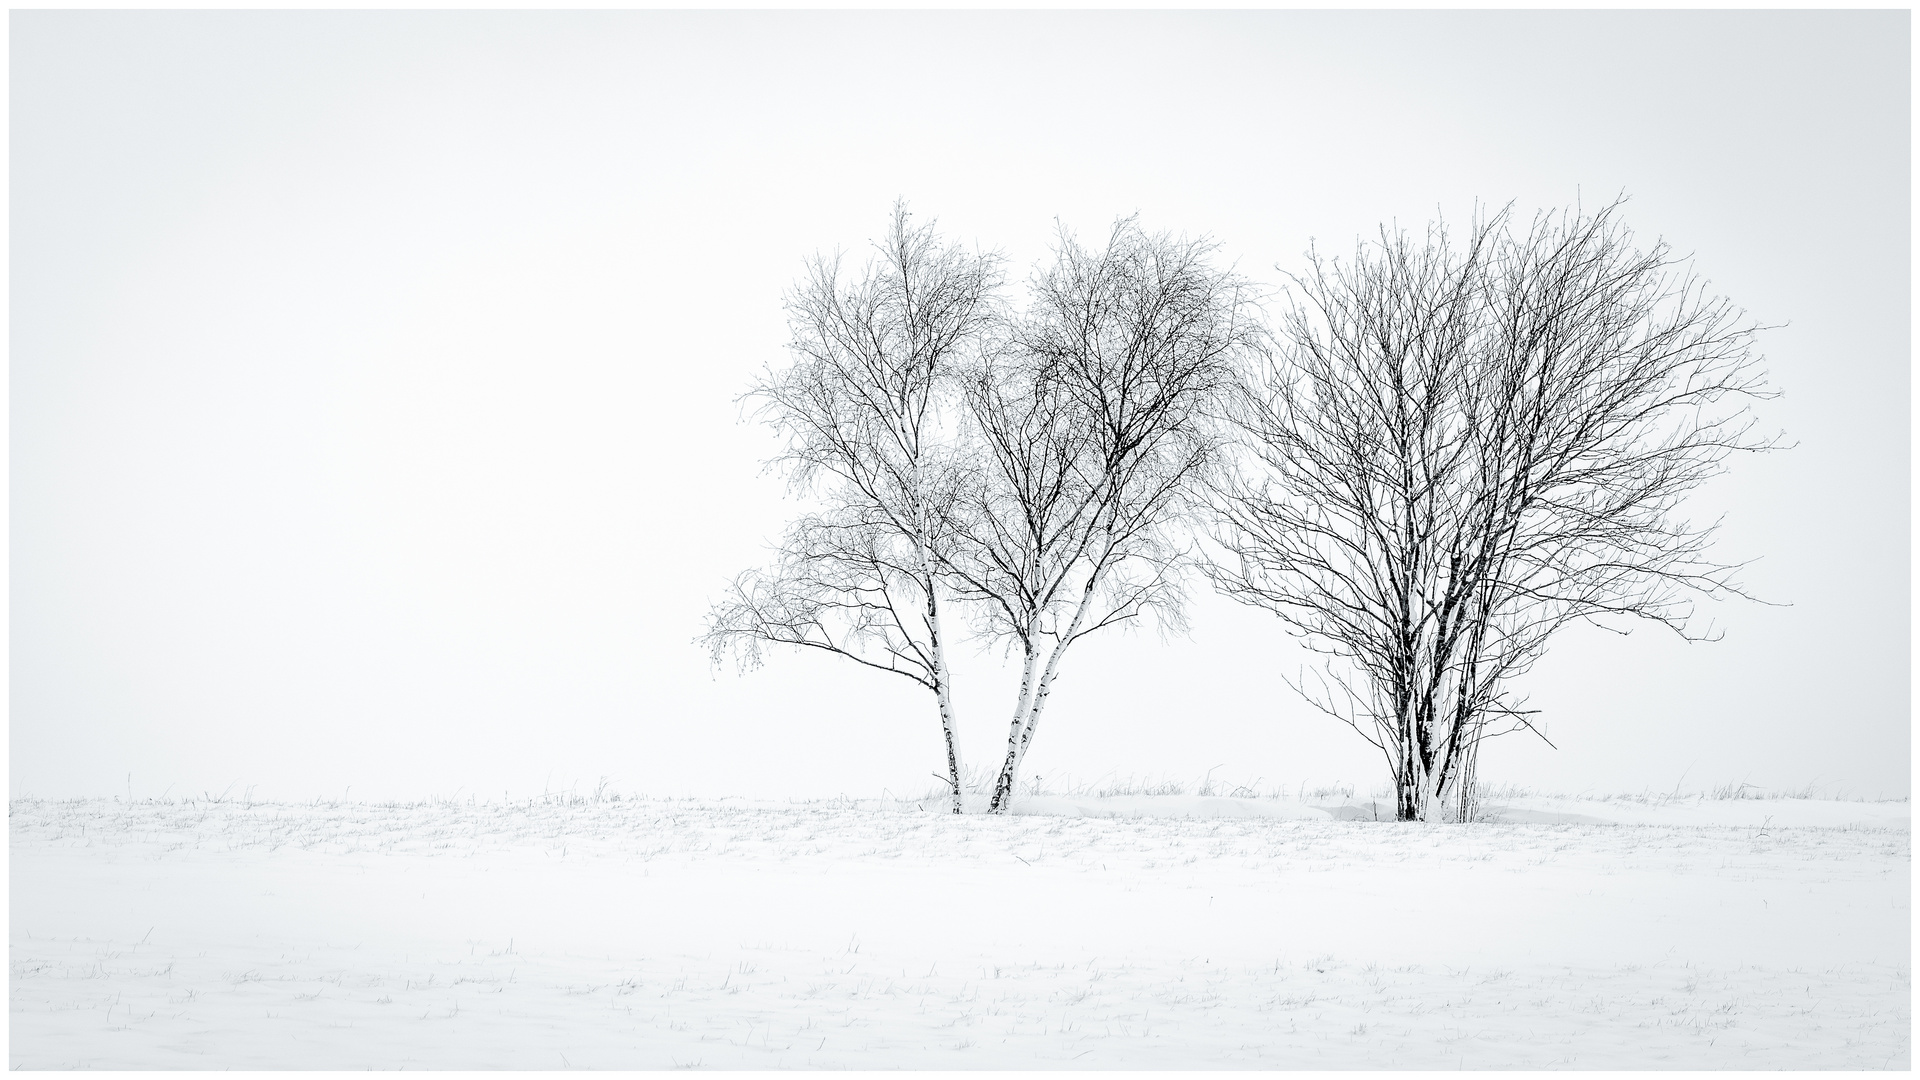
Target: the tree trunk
(1464, 799)
(953, 748)
(1021, 738)
(1003, 781)
(942, 692)
(1017, 742)
(1441, 793)
(1406, 794)
(1022, 735)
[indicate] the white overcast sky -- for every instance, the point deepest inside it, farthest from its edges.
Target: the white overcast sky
(373, 374)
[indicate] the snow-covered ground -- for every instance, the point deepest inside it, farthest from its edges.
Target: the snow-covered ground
(1140, 932)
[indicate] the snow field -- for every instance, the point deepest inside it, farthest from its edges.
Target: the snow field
(655, 934)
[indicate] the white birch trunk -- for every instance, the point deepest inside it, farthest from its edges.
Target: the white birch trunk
(1022, 735)
(1429, 792)
(1440, 793)
(1464, 778)
(942, 683)
(943, 692)
(1002, 785)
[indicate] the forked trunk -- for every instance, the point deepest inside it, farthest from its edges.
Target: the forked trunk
(1017, 743)
(1003, 781)
(1021, 736)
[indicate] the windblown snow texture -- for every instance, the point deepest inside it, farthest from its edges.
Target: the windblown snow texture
(652, 934)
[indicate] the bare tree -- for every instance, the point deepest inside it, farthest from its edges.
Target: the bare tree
(863, 408)
(1091, 422)
(1460, 449)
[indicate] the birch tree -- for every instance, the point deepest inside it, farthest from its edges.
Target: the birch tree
(864, 407)
(1462, 447)
(1091, 420)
